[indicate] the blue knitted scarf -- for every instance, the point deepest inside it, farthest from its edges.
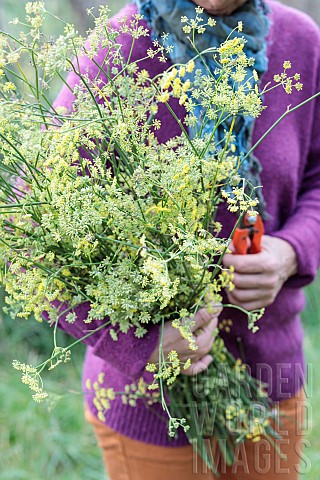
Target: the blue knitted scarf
(165, 16)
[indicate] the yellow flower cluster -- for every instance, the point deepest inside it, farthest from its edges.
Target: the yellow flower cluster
(171, 84)
(287, 81)
(225, 325)
(226, 278)
(185, 324)
(257, 429)
(238, 200)
(167, 370)
(31, 377)
(102, 396)
(59, 355)
(196, 25)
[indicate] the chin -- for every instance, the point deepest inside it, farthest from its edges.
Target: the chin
(219, 12)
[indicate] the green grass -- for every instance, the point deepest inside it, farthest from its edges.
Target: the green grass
(312, 450)
(34, 441)
(311, 320)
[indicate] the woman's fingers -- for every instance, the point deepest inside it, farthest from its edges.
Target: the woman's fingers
(252, 281)
(251, 303)
(252, 299)
(244, 296)
(201, 318)
(205, 315)
(205, 324)
(199, 365)
(201, 358)
(205, 339)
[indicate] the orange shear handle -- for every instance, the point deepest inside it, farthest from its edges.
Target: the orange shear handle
(248, 239)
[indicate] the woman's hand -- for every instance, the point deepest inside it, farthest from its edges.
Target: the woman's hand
(258, 278)
(206, 324)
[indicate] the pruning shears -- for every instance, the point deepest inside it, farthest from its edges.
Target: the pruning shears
(247, 237)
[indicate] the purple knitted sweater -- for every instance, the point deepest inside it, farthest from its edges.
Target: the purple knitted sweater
(290, 157)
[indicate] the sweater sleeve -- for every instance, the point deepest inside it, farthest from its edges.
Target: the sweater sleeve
(302, 229)
(129, 353)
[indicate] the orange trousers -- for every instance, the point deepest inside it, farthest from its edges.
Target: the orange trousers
(127, 459)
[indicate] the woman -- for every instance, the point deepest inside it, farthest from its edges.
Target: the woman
(134, 440)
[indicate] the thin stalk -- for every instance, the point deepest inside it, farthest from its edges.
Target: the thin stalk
(225, 249)
(80, 340)
(286, 113)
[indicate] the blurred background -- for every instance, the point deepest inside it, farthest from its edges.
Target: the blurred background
(311, 7)
(55, 443)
